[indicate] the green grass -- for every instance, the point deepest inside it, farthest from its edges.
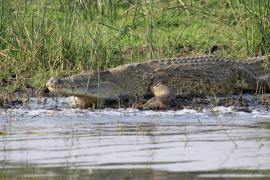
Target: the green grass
(39, 39)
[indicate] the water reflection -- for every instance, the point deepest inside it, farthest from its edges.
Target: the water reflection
(176, 141)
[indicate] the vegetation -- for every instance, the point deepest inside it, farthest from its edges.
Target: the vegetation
(39, 39)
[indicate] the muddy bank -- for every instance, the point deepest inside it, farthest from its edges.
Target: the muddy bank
(20, 97)
(244, 103)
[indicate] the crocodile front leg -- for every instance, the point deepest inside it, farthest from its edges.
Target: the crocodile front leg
(84, 103)
(164, 98)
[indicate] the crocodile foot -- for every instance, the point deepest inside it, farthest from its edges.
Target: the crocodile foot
(157, 103)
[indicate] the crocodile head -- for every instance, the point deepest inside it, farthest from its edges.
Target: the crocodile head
(88, 86)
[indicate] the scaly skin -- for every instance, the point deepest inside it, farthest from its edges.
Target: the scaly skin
(165, 79)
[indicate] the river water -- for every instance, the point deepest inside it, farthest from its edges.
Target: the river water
(44, 142)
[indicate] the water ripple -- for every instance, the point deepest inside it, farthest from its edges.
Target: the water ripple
(126, 138)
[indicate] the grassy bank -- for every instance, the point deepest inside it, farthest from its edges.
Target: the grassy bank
(39, 39)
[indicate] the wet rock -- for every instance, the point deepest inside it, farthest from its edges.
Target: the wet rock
(243, 109)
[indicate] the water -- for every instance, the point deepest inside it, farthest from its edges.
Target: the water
(216, 143)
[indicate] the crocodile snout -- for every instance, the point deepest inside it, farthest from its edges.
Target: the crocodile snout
(54, 82)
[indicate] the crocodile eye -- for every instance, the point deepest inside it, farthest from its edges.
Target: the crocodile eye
(56, 81)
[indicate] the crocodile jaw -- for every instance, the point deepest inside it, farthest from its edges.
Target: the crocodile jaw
(66, 87)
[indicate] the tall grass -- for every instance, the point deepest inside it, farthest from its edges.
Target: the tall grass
(39, 39)
(257, 26)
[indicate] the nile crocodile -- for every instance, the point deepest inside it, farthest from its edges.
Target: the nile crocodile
(166, 80)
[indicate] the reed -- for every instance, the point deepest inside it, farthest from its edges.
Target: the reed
(257, 26)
